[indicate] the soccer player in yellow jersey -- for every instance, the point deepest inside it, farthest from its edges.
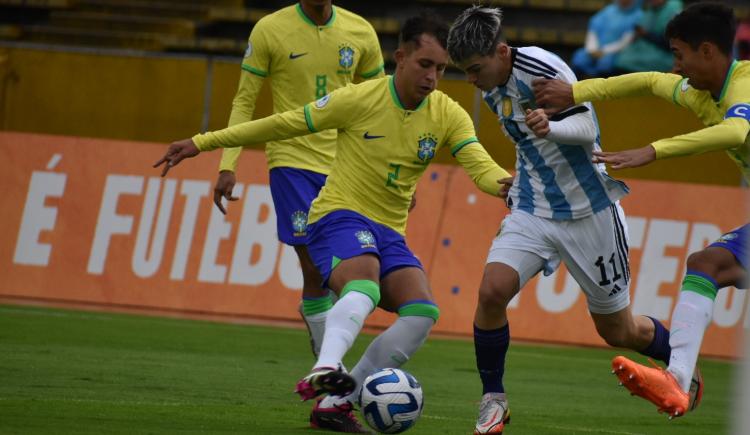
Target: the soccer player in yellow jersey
(717, 89)
(389, 131)
(308, 50)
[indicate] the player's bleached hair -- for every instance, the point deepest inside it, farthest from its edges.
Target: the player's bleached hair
(476, 31)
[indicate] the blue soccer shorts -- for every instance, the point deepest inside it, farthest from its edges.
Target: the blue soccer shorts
(293, 190)
(735, 242)
(344, 234)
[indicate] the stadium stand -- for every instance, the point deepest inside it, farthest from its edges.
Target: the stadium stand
(220, 27)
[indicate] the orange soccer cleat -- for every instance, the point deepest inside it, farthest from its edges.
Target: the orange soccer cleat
(656, 385)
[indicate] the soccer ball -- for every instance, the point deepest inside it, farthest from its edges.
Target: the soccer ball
(391, 400)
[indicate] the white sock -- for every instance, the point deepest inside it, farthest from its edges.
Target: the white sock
(343, 324)
(391, 349)
(316, 323)
(690, 318)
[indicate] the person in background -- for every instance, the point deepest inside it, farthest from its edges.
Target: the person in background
(649, 50)
(610, 30)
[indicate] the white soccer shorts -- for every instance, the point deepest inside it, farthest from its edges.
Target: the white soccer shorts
(594, 249)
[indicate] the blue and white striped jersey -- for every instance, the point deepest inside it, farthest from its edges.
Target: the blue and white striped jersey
(553, 180)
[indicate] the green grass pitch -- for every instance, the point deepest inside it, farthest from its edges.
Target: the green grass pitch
(73, 372)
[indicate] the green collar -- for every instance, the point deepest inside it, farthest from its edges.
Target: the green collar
(397, 100)
(307, 19)
(726, 79)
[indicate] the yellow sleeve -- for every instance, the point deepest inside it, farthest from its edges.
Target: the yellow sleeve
(730, 133)
(259, 53)
(484, 171)
(663, 85)
(243, 107)
(371, 65)
(470, 154)
(255, 67)
(275, 127)
(332, 111)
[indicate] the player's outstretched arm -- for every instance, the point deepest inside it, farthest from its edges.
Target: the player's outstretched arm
(626, 159)
(177, 152)
(553, 95)
(279, 126)
(556, 95)
(484, 171)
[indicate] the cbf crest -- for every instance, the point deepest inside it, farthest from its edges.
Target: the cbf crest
(299, 223)
(426, 150)
(366, 239)
(346, 57)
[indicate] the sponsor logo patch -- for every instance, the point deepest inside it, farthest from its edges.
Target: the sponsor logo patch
(321, 102)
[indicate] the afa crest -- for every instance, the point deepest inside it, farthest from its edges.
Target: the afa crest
(426, 150)
(365, 238)
(299, 223)
(346, 56)
(507, 107)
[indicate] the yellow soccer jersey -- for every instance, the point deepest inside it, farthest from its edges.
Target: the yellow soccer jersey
(382, 151)
(727, 119)
(305, 62)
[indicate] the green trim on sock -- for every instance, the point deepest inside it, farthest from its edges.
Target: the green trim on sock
(317, 305)
(420, 309)
(700, 285)
(368, 288)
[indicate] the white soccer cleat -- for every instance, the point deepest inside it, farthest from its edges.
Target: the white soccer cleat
(493, 414)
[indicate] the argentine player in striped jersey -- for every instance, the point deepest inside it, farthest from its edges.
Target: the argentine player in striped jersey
(564, 208)
(307, 50)
(717, 89)
(389, 131)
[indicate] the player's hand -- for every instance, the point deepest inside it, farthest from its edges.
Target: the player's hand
(505, 185)
(626, 159)
(223, 189)
(538, 122)
(177, 152)
(413, 202)
(596, 54)
(553, 95)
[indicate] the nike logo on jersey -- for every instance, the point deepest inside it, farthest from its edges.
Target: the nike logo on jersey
(294, 56)
(368, 136)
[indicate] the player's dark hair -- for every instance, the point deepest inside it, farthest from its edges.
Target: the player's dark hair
(704, 22)
(427, 22)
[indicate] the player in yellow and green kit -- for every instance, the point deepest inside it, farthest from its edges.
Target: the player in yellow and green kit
(717, 89)
(308, 50)
(389, 131)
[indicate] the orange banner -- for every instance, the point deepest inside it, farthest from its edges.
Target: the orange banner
(89, 220)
